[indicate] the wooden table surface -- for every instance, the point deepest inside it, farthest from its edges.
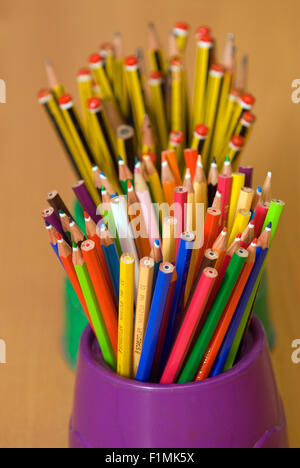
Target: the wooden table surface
(36, 386)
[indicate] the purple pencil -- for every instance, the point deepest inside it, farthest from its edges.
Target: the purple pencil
(51, 217)
(86, 201)
(248, 171)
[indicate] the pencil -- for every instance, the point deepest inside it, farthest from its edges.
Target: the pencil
(238, 182)
(94, 309)
(200, 184)
(191, 157)
(199, 138)
(111, 258)
(190, 224)
(224, 351)
(240, 223)
(168, 180)
(125, 144)
(142, 308)
(92, 234)
(126, 306)
(180, 202)
(266, 189)
(149, 214)
(189, 326)
(154, 181)
(169, 239)
(219, 246)
(102, 291)
(125, 234)
(170, 156)
(138, 224)
(212, 182)
(224, 187)
(214, 315)
(85, 200)
(177, 309)
(154, 321)
(227, 316)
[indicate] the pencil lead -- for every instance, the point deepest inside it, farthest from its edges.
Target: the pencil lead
(129, 186)
(58, 236)
(269, 225)
(86, 216)
(227, 159)
(74, 246)
(156, 243)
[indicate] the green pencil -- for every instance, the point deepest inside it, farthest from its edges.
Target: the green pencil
(124, 175)
(273, 216)
(214, 315)
(93, 307)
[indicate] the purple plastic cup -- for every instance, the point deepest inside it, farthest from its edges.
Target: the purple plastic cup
(238, 409)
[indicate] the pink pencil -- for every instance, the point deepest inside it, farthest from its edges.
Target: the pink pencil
(189, 326)
(224, 187)
(148, 212)
(259, 218)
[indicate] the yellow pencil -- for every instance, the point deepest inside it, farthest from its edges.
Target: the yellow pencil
(240, 223)
(245, 199)
(135, 94)
(238, 182)
(169, 239)
(142, 308)
(158, 108)
(215, 78)
(126, 306)
(203, 59)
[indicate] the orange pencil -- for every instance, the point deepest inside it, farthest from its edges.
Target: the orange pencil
(223, 325)
(220, 246)
(140, 229)
(172, 161)
(167, 179)
(77, 235)
(104, 296)
(65, 254)
(91, 232)
(211, 227)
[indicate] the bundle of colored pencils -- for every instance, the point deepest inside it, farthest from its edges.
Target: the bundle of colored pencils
(169, 261)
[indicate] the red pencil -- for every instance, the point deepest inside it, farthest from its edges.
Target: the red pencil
(189, 326)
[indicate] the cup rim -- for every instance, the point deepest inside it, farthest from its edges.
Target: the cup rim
(256, 333)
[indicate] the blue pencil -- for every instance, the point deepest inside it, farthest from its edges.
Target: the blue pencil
(111, 257)
(182, 269)
(49, 228)
(157, 257)
(233, 328)
(154, 322)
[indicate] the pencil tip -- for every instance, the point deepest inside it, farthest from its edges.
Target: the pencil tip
(74, 245)
(58, 236)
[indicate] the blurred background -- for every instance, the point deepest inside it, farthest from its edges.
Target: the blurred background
(36, 386)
